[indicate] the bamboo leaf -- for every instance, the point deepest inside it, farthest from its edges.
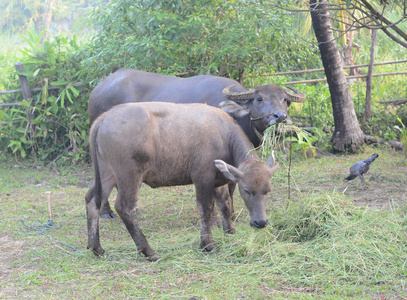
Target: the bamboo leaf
(69, 96)
(74, 91)
(59, 83)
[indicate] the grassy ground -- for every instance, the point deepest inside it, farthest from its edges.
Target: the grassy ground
(327, 242)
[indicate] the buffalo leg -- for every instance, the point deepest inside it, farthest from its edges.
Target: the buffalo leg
(105, 210)
(93, 206)
(92, 212)
(220, 204)
(205, 201)
(231, 188)
(223, 203)
(215, 220)
(126, 207)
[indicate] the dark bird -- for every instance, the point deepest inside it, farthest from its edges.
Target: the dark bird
(360, 168)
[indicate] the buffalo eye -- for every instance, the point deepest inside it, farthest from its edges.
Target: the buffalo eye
(247, 191)
(259, 99)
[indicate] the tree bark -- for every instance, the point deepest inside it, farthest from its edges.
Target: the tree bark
(347, 135)
(369, 79)
(47, 19)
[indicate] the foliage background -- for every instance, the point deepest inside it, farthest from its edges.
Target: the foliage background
(176, 37)
(198, 37)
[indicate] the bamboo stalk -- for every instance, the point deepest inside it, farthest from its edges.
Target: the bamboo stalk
(320, 70)
(10, 104)
(54, 87)
(347, 77)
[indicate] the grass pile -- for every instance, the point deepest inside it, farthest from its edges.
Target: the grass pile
(332, 240)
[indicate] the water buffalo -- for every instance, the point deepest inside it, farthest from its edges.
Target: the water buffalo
(264, 105)
(167, 144)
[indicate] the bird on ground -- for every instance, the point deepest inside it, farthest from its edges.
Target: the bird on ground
(360, 168)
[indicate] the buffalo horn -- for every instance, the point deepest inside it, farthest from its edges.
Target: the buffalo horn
(297, 97)
(271, 160)
(237, 96)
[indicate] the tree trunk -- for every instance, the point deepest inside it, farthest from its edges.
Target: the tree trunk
(347, 135)
(369, 79)
(47, 19)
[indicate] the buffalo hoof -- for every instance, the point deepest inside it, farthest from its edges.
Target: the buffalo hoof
(230, 231)
(98, 252)
(153, 258)
(110, 215)
(209, 248)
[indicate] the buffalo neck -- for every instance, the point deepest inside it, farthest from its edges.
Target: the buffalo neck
(249, 130)
(242, 150)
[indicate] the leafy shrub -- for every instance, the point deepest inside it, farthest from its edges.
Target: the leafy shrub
(59, 129)
(197, 37)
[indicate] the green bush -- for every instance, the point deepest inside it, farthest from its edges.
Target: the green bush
(59, 129)
(199, 37)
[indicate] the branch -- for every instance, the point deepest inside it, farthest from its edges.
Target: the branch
(380, 17)
(397, 102)
(371, 18)
(397, 40)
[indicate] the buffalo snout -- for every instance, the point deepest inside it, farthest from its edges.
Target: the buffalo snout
(277, 117)
(259, 223)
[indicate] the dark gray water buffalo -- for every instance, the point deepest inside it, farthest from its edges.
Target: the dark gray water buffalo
(167, 144)
(265, 105)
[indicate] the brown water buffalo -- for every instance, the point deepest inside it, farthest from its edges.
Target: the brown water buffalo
(263, 106)
(167, 144)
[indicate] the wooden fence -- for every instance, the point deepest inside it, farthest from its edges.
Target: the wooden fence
(345, 67)
(27, 91)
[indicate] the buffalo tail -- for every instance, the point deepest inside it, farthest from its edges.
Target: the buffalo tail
(97, 192)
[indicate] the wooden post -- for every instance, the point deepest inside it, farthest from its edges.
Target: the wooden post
(25, 87)
(49, 206)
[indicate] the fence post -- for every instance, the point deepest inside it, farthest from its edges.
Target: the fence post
(25, 87)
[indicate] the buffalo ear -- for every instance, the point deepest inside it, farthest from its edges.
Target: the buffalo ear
(273, 169)
(229, 171)
(234, 109)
